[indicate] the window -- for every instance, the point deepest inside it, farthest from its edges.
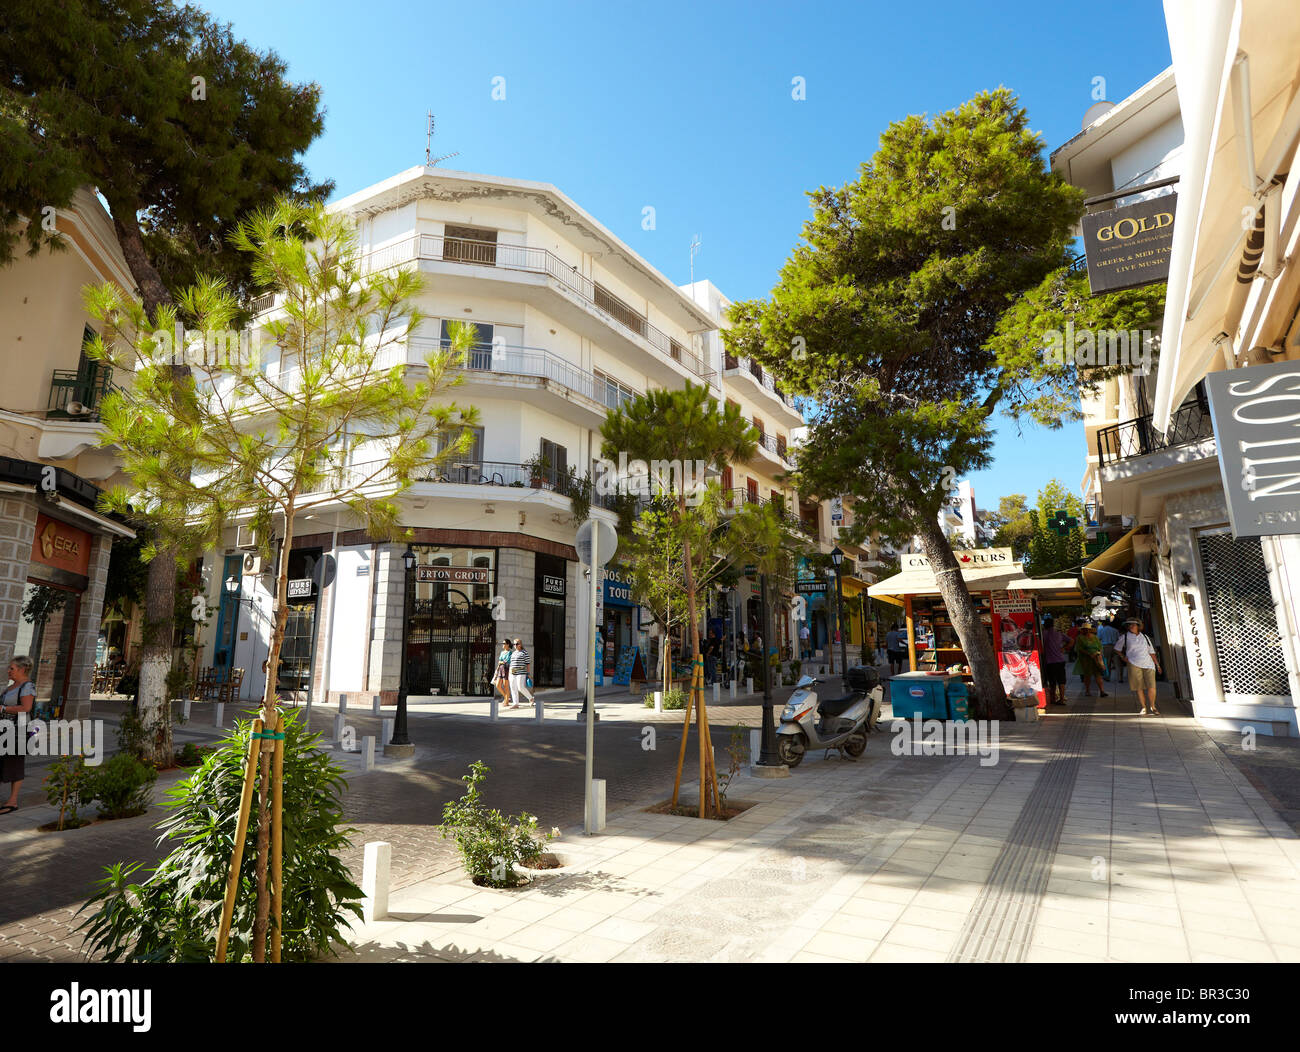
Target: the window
(611, 393)
(464, 467)
(482, 591)
(619, 311)
(557, 457)
(479, 356)
(675, 349)
(467, 244)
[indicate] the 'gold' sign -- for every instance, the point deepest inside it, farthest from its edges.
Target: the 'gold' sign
(1129, 246)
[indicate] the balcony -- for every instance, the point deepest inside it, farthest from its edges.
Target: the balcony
(1136, 438)
(87, 388)
(469, 255)
(733, 366)
(1139, 467)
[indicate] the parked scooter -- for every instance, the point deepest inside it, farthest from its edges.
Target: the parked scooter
(812, 722)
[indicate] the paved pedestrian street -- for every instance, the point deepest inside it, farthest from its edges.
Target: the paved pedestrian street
(1098, 835)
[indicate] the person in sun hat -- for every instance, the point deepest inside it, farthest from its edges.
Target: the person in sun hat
(1137, 651)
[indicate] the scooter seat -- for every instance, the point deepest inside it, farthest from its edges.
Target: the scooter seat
(834, 706)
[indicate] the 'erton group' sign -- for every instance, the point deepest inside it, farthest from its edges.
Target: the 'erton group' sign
(1256, 414)
(1129, 246)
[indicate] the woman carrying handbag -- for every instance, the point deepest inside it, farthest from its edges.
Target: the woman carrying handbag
(19, 697)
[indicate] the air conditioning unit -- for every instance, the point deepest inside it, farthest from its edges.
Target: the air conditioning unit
(254, 565)
(246, 539)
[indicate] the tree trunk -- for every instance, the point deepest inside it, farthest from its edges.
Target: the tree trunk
(269, 700)
(154, 707)
(990, 700)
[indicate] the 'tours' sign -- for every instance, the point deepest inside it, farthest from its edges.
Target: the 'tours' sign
(1256, 414)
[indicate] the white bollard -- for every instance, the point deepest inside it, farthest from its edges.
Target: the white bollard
(596, 805)
(386, 735)
(343, 703)
(755, 744)
(339, 721)
(374, 705)
(538, 708)
(496, 704)
(659, 701)
(749, 684)
(367, 753)
(375, 873)
(218, 713)
(733, 690)
(717, 691)
(185, 708)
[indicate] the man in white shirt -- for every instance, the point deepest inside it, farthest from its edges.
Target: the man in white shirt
(1108, 634)
(1139, 653)
(805, 650)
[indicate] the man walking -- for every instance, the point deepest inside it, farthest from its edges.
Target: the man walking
(519, 662)
(1137, 651)
(1054, 647)
(1108, 634)
(805, 649)
(894, 649)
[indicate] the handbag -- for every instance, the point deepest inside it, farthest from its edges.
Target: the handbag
(528, 681)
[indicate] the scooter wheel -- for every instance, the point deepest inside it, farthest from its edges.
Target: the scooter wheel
(855, 745)
(791, 749)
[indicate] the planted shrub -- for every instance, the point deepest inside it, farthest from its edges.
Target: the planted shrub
(123, 785)
(189, 756)
(673, 699)
(490, 844)
(172, 912)
(66, 787)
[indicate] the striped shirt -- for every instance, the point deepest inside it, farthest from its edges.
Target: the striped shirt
(519, 662)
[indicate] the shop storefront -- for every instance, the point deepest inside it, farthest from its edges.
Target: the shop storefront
(451, 635)
(58, 549)
(619, 628)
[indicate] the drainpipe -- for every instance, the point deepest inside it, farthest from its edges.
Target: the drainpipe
(370, 615)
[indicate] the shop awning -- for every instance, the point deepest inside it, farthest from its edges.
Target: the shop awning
(1235, 64)
(922, 582)
(1115, 559)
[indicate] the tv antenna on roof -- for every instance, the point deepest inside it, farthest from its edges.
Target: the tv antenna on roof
(695, 247)
(429, 160)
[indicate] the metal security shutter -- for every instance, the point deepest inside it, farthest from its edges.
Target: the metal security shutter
(1243, 621)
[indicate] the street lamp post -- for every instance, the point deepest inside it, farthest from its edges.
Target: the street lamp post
(232, 585)
(767, 754)
(401, 744)
(837, 557)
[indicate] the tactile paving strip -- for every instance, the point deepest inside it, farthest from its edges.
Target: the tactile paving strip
(1002, 919)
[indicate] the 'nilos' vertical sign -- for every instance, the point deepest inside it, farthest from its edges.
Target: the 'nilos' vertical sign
(1256, 414)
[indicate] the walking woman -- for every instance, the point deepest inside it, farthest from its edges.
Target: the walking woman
(519, 662)
(501, 679)
(18, 698)
(1087, 659)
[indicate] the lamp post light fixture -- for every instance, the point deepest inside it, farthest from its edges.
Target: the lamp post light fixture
(837, 557)
(401, 745)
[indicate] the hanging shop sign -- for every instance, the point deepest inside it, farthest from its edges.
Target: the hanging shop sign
(1129, 246)
(837, 510)
(618, 589)
(451, 575)
(1256, 416)
(62, 546)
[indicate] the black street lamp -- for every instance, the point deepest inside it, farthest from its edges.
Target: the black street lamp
(401, 744)
(768, 755)
(837, 557)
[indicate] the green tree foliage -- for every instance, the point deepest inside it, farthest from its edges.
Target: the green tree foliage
(172, 912)
(1050, 552)
(1012, 525)
(340, 420)
(883, 314)
(102, 93)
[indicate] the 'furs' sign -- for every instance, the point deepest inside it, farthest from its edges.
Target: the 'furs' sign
(1256, 414)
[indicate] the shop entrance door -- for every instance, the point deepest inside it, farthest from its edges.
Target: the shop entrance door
(47, 634)
(450, 647)
(1243, 619)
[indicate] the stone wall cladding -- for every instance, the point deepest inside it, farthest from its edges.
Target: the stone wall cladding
(15, 554)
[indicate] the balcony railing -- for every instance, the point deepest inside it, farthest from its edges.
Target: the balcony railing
(530, 361)
(760, 375)
(1136, 438)
(536, 261)
(88, 389)
(775, 444)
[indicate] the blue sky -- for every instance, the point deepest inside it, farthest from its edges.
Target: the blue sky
(687, 108)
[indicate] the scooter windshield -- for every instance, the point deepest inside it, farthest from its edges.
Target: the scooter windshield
(805, 681)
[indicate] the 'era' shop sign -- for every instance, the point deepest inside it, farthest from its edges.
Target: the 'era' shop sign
(60, 545)
(1256, 414)
(1127, 247)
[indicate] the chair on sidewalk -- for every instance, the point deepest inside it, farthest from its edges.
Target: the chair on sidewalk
(229, 690)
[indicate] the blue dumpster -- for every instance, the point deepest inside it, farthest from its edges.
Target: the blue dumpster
(914, 694)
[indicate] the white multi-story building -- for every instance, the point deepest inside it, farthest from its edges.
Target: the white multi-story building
(570, 322)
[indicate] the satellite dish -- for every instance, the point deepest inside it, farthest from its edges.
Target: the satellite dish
(608, 543)
(1096, 111)
(76, 409)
